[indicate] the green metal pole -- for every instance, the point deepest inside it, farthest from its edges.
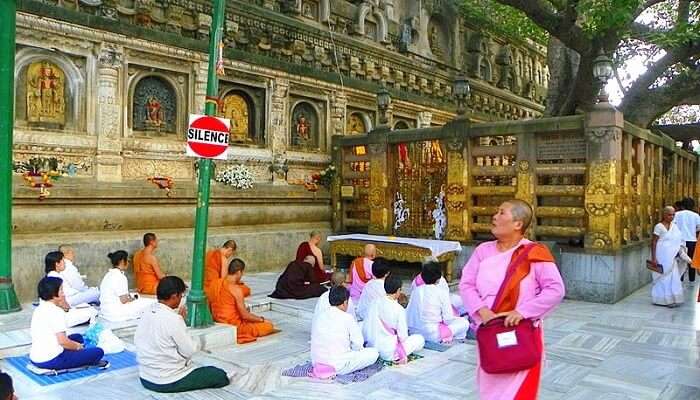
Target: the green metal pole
(198, 314)
(8, 297)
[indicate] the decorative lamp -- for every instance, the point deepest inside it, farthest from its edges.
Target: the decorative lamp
(602, 72)
(383, 103)
(461, 91)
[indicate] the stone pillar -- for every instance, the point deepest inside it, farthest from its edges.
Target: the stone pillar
(279, 128)
(424, 119)
(200, 87)
(603, 129)
(628, 203)
(339, 104)
(525, 175)
(380, 198)
(643, 192)
(109, 109)
(458, 220)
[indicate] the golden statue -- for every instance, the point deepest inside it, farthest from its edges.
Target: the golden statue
(46, 93)
(235, 108)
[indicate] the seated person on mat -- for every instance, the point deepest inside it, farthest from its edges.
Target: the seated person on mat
(310, 248)
(298, 281)
(361, 272)
(455, 299)
(54, 266)
(147, 271)
(429, 310)
(7, 389)
(385, 327)
(51, 348)
(165, 349)
(72, 277)
(375, 288)
(227, 301)
(337, 345)
(337, 279)
(116, 304)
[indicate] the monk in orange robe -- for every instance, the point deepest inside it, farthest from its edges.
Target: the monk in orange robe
(216, 263)
(147, 270)
(228, 305)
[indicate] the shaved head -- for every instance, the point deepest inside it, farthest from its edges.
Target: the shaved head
(370, 251)
(338, 278)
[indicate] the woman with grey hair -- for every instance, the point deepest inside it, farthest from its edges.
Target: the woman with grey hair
(667, 251)
(508, 282)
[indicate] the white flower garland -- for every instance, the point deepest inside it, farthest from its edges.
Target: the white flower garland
(236, 176)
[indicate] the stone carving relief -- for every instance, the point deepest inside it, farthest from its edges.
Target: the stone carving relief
(305, 126)
(370, 19)
(239, 109)
(356, 124)
(154, 106)
(438, 38)
(504, 60)
(46, 101)
(602, 134)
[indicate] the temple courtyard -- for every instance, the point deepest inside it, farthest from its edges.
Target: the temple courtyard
(629, 350)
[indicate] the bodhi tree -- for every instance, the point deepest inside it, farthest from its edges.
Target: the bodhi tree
(662, 34)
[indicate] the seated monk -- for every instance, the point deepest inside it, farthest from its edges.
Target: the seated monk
(146, 267)
(361, 272)
(216, 263)
(298, 281)
(310, 248)
(228, 305)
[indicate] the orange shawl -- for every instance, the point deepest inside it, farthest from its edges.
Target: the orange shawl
(145, 275)
(359, 265)
(515, 275)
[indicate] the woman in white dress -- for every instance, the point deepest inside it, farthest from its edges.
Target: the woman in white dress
(76, 314)
(667, 250)
(116, 303)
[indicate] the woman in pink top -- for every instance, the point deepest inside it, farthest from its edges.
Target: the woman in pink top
(540, 290)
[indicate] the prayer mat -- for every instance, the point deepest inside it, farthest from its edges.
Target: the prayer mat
(125, 359)
(434, 346)
(411, 357)
(304, 371)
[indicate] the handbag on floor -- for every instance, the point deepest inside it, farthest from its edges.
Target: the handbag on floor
(504, 350)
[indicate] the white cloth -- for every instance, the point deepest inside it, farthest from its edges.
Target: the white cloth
(323, 304)
(336, 340)
(667, 288)
(389, 311)
(163, 346)
(114, 284)
(455, 299)
(436, 247)
(373, 290)
(72, 275)
(428, 306)
(48, 319)
(80, 312)
(74, 296)
(689, 224)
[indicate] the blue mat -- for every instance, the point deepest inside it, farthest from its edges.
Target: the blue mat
(117, 361)
(436, 346)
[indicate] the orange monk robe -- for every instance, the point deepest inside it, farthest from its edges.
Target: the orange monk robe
(145, 274)
(212, 269)
(696, 261)
(224, 310)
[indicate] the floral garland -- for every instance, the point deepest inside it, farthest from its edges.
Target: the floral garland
(163, 182)
(41, 180)
(325, 177)
(236, 176)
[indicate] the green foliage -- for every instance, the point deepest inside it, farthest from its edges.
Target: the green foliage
(502, 20)
(601, 16)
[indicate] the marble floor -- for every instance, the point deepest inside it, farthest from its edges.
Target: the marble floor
(630, 350)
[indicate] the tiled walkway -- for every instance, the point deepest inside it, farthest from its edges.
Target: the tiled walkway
(630, 350)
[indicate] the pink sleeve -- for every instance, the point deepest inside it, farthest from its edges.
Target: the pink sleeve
(551, 292)
(467, 286)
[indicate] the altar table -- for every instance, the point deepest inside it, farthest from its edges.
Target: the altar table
(396, 248)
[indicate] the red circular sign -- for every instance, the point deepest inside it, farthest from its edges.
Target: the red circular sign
(208, 137)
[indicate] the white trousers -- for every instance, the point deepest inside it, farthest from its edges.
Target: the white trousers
(77, 316)
(89, 295)
(125, 312)
(354, 360)
(459, 327)
(412, 344)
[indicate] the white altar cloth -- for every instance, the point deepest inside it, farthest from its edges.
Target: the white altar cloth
(436, 247)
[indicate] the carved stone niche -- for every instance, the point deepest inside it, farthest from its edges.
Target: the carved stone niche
(157, 102)
(50, 90)
(438, 38)
(307, 124)
(245, 107)
(371, 22)
(479, 63)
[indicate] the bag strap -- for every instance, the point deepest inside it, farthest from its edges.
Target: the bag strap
(511, 267)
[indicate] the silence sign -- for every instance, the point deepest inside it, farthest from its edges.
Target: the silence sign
(207, 137)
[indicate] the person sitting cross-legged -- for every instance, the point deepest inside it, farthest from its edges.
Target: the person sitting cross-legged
(361, 271)
(374, 289)
(337, 345)
(227, 300)
(72, 277)
(216, 263)
(76, 313)
(298, 281)
(385, 327)
(147, 270)
(429, 310)
(116, 303)
(337, 279)
(165, 349)
(51, 347)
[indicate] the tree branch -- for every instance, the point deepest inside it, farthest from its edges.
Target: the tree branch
(683, 12)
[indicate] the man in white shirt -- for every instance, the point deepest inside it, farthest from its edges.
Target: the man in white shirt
(337, 279)
(165, 349)
(429, 310)
(689, 223)
(72, 278)
(385, 327)
(337, 345)
(374, 289)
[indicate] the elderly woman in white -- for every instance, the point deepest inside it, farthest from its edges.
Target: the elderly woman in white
(668, 251)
